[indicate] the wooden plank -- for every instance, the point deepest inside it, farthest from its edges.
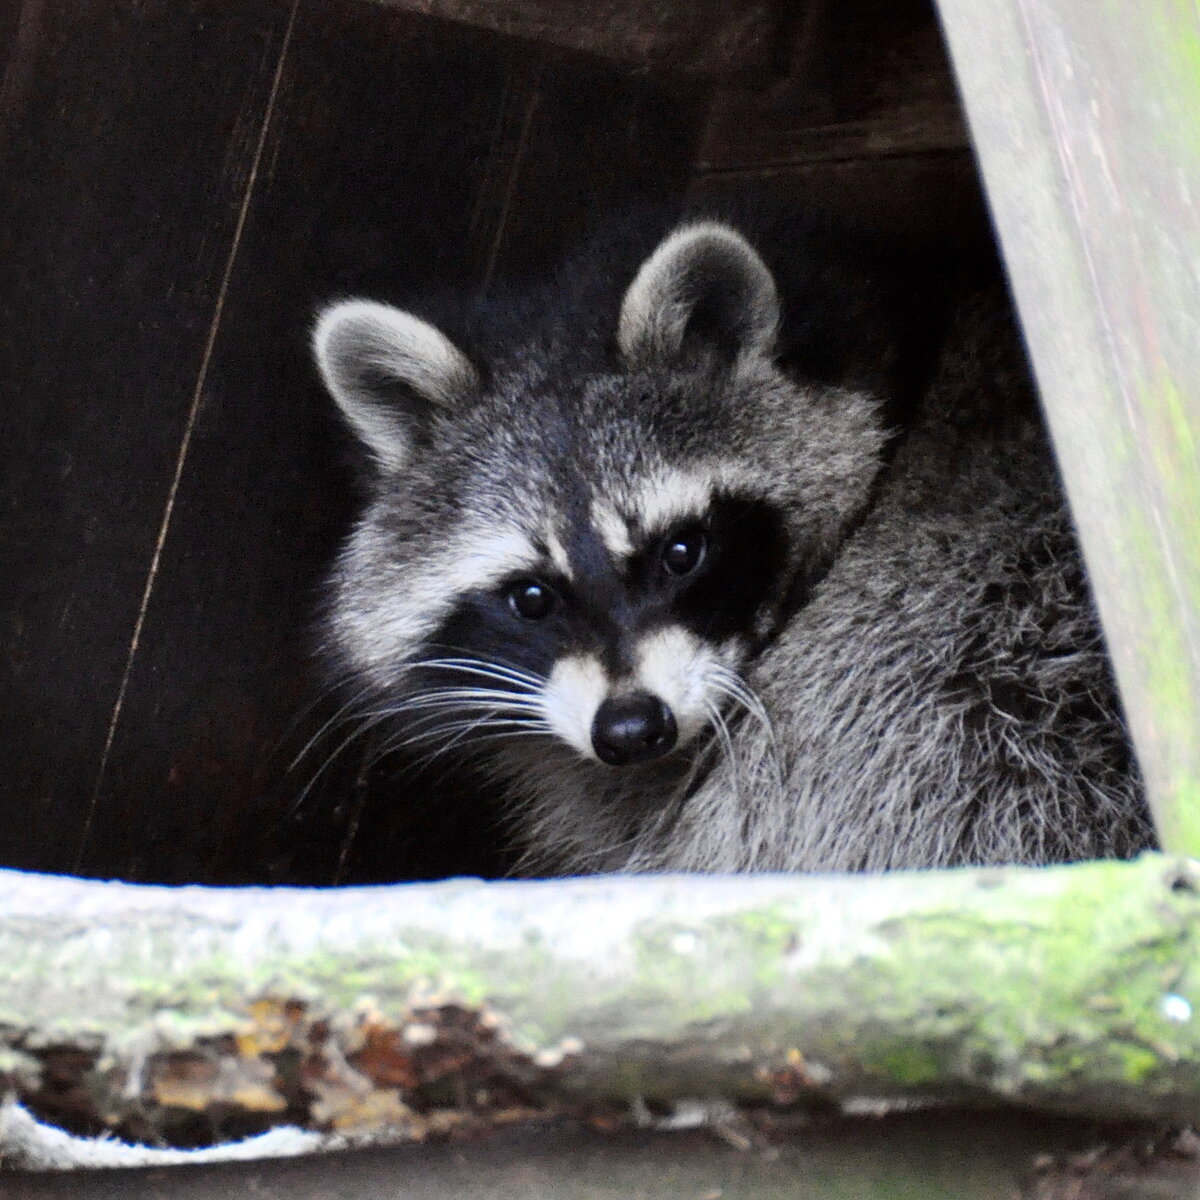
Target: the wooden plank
(865, 124)
(868, 79)
(916, 197)
(695, 37)
(596, 140)
(400, 153)
(1086, 121)
(376, 151)
(126, 137)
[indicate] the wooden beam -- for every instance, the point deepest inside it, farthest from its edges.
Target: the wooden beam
(178, 1016)
(702, 38)
(1086, 119)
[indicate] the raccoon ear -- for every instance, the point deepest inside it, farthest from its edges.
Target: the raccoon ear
(705, 286)
(386, 369)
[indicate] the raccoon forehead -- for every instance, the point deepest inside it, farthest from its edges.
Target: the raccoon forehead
(481, 557)
(656, 502)
(672, 496)
(470, 558)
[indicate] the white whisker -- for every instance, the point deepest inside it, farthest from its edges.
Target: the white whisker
(483, 729)
(364, 728)
(730, 684)
(474, 696)
(512, 706)
(723, 736)
(496, 671)
(337, 719)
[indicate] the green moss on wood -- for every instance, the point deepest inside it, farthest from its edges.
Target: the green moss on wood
(1070, 988)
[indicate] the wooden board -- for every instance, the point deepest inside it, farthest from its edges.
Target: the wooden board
(127, 138)
(864, 79)
(863, 122)
(694, 37)
(372, 159)
(1087, 129)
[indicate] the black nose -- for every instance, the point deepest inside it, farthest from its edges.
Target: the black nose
(633, 728)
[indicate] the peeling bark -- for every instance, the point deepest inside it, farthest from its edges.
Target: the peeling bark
(185, 1016)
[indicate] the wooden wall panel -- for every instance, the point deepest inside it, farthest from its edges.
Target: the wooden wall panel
(863, 122)
(127, 134)
(376, 153)
(697, 37)
(589, 148)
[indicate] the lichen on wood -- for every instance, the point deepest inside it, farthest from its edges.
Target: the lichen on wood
(419, 1010)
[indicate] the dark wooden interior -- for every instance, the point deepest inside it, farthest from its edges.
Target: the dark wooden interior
(183, 181)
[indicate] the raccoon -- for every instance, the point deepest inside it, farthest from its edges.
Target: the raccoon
(645, 546)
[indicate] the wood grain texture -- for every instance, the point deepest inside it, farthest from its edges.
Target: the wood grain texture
(594, 142)
(863, 122)
(127, 138)
(694, 37)
(866, 79)
(368, 180)
(1086, 123)
(934, 198)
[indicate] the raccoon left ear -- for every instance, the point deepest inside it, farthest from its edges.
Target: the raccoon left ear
(704, 287)
(387, 369)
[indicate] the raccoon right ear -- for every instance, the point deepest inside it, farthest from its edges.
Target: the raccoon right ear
(705, 286)
(386, 368)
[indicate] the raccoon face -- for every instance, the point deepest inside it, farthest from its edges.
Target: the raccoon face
(626, 629)
(587, 556)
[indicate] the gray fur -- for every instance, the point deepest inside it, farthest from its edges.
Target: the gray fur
(946, 697)
(942, 697)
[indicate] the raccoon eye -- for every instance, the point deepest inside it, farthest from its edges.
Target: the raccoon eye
(531, 600)
(682, 553)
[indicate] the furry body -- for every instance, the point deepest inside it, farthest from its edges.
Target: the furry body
(635, 547)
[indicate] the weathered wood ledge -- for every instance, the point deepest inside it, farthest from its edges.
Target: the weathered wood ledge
(414, 1010)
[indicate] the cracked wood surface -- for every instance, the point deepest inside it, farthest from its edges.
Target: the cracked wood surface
(190, 1015)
